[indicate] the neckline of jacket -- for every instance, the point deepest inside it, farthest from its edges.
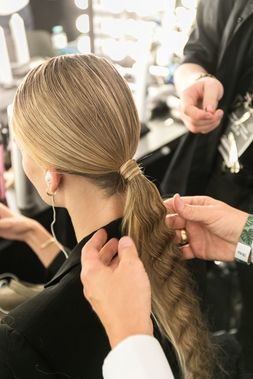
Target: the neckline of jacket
(113, 229)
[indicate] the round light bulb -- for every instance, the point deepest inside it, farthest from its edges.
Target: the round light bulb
(83, 44)
(82, 23)
(82, 4)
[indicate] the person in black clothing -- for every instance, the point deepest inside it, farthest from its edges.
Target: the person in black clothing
(215, 85)
(77, 127)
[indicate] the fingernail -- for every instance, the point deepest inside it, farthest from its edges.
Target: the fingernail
(180, 203)
(125, 242)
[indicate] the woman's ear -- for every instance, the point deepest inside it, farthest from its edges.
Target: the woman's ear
(52, 180)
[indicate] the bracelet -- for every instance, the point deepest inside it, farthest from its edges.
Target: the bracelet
(47, 243)
(205, 75)
(243, 252)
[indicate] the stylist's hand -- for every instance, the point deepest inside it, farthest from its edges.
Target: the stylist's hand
(118, 289)
(199, 105)
(213, 227)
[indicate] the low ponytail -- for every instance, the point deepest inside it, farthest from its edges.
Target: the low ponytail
(76, 113)
(174, 303)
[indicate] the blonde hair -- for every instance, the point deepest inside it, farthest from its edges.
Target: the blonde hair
(77, 114)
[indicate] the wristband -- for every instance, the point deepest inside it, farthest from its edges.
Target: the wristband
(205, 75)
(243, 252)
(47, 243)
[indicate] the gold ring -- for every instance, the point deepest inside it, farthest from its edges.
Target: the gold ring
(184, 238)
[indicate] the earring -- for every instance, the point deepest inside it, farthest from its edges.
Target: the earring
(51, 193)
(48, 180)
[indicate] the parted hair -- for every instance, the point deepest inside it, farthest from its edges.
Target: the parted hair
(76, 113)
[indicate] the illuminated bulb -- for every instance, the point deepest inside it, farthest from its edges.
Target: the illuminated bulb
(135, 50)
(185, 17)
(9, 7)
(178, 40)
(130, 6)
(18, 32)
(113, 28)
(114, 49)
(82, 4)
(5, 66)
(82, 23)
(145, 8)
(113, 6)
(83, 44)
(189, 3)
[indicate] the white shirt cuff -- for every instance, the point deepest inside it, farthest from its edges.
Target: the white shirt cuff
(137, 357)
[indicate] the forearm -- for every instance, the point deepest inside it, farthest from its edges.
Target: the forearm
(186, 74)
(39, 240)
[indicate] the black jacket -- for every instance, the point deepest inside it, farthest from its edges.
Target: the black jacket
(219, 44)
(56, 334)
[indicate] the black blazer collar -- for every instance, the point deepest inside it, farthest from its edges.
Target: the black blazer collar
(74, 259)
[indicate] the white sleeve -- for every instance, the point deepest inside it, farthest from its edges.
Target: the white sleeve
(137, 357)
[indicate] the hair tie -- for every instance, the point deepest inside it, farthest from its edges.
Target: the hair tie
(130, 169)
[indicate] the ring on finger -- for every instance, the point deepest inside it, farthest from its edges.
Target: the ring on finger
(184, 238)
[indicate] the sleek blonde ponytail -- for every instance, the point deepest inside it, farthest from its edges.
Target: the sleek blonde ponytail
(174, 303)
(76, 113)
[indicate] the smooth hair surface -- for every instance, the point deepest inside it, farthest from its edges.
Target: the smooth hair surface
(73, 112)
(76, 114)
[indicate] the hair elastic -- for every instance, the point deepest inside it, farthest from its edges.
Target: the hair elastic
(130, 169)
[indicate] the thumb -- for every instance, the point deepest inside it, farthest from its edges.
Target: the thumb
(212, 94)
(127, 249)
(197, 213)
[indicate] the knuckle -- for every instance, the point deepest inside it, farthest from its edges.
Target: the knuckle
(87, 293)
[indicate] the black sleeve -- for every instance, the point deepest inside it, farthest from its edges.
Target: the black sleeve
(203, 45)
(18, 359)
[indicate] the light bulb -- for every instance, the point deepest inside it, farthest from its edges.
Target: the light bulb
(82, 23)
(83, 44)
(82, 4)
